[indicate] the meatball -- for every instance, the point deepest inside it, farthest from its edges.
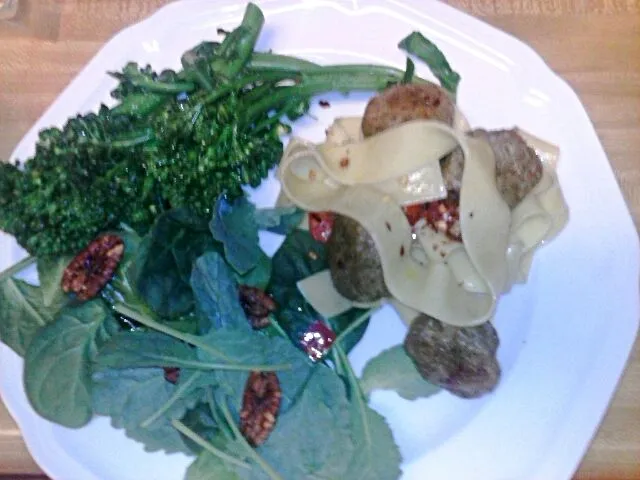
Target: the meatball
(402, 103)
(353, 259)
(460, 360)
(518, 168)
(354, 262)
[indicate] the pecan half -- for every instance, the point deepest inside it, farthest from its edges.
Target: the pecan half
(260, 407)
(257, 305)
(93, 267)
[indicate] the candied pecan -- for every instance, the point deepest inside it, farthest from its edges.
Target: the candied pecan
(260, 406)
(93, 267)
(257, 305)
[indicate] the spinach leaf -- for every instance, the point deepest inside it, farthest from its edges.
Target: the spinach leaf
(22, 313)
(281, 220)
(234, 225)
(216, 292)
(57, 364)
(313, 439)
(299, 257)
(253, 348)
(416, 44)
(393, 369)
(166, 259)
(133, 398)
(377, 456)
(202, 423)
(145, 349)
(259, 275)
(207, 467)
(50, 270)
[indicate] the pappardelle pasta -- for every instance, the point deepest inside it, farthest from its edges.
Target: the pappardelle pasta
(371, 179)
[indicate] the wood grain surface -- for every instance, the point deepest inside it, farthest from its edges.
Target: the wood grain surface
(593, 44)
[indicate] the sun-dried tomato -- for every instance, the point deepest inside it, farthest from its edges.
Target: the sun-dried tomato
(441, 215)
(444, 216)
(414, 212)
(260, 406)
(93, 267)
(317, 340)
(171, 374)
(321, 225)
(257, 305)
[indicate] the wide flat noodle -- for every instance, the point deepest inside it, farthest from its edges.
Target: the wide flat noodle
(433, 288)
(457, 283)
(408, 174)
(540, 216)
(319, 291)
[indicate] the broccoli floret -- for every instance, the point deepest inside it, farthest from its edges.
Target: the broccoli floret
(200, 153)
(174, 140)
(82, 180)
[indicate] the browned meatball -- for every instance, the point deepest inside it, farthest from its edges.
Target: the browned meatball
(402, 103)
(353, 259)
(460, 360)
(518, 168)
(354, 262)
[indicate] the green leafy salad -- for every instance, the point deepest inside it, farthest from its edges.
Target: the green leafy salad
(156, 305)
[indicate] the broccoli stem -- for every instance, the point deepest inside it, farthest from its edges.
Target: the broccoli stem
(140, 104)
(237, 47)
(152, 86)
(261, 61)
(341, 78)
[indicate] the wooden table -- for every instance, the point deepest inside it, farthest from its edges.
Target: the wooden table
(593, 44)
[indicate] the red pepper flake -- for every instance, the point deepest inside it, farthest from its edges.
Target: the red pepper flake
(344, 162)
(324, 104)
(317, 340)
(402, 250)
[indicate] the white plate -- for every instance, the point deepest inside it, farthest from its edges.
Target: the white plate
(565, 335)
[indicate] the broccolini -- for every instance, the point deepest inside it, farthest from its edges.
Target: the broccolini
(174, 139)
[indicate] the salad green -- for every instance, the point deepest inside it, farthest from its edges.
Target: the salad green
(165, 350)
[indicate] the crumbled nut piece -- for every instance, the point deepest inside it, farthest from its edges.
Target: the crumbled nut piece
(257, 305)
(260, 406)
(93, 267)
